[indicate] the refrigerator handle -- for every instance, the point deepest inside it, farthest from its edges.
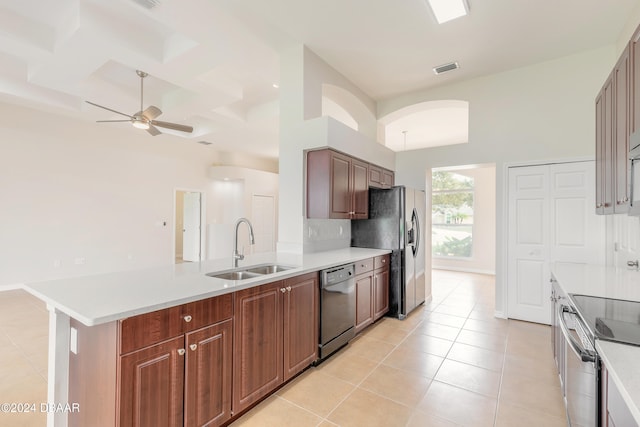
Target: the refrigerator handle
(416, 221)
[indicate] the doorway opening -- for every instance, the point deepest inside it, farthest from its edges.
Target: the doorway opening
(463, 218)
(188, 226)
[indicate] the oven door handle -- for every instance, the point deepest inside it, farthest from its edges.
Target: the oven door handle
(582, 353)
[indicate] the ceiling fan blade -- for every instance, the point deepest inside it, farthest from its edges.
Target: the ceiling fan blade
(112, 121)
(151, 112)
(153, 130)
(174, 126)
(108, 109)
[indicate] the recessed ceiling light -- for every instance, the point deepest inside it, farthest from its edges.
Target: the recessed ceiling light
(446, 10)
(276, 85)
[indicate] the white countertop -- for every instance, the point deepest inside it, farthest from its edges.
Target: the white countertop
(598, 280)
(621, 360)
(103, 298)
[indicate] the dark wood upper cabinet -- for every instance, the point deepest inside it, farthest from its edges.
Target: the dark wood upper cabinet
(380, 177)
(338, 185)
(634, 56)
(605, 149)
(622, 86)
(360, 189)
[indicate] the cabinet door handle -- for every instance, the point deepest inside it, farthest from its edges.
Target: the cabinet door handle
(193, 347)
(181, 351)
(188, 318)
(289, 288)
(283, 290)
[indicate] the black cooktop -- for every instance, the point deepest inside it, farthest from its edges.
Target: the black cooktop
(610, 319)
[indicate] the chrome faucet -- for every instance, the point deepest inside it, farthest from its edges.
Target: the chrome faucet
(238, 256)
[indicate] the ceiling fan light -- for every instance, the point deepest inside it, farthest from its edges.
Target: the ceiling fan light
(140, 124)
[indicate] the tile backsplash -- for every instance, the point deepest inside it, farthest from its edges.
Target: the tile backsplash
(624, 237)
(326, 234)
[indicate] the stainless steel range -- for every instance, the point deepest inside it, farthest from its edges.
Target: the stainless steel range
(581, 319)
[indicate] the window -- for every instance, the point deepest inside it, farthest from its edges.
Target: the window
(452, 214)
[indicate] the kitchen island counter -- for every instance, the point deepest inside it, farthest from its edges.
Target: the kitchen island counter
(91, 306)
(98, 299)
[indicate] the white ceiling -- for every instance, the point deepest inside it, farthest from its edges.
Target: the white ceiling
(212, 63)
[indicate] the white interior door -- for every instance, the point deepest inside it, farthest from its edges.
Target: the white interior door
(191, 227)
(578, 234)
(551, 219)
(528, 267)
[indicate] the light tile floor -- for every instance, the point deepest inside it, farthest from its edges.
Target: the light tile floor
(449, 363)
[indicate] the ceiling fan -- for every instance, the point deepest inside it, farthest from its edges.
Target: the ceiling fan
(145, 119)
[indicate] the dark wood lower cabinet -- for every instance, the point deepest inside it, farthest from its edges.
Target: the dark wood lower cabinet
(262, 337)
(184, 380)
(276, 327)
(152, 386)
(257, 344)
(364, 302)
(300, 327)
(380, 293)
(209, 352)
(372, 290)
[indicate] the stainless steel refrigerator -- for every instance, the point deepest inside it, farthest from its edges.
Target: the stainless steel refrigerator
(396, 218)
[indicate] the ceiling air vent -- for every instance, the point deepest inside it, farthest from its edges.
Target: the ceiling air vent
(446, 67)
(148, 4)
(205, 142)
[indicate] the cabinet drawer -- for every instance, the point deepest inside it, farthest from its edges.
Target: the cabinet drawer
(146, 329)
(207, 312)
(381, 261)
(364, 265)
(150, 328)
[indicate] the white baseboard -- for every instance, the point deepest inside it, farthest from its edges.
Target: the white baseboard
(11, 287)
(500, 314)
(465, 270)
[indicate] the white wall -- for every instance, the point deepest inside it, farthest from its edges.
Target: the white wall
(483, 259)
(541, 112)
(75, 190)
(301, 127)
(230, 193)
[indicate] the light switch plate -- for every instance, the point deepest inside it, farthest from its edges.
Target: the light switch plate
(73, 341)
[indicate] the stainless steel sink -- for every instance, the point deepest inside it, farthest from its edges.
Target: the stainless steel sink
(268, 269)
(234, 275)
(249, 272)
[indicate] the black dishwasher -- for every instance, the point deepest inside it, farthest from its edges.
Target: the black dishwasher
(337, 308)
